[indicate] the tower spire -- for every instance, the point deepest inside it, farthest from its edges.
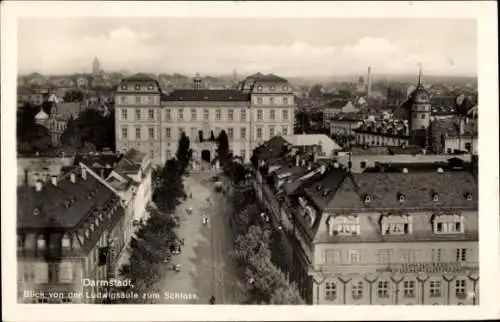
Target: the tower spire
(419, 74)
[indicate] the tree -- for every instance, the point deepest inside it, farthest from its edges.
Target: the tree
(170, 188)
(71, 138)
(149, 250)
(184, 153)
(94, 128)
(223, 147)
(36, 139)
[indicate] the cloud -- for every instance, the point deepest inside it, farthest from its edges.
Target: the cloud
(185, 51)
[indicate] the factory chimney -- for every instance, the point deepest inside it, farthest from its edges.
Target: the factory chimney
(369, 89)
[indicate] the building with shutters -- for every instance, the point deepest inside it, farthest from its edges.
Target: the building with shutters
(150, 121)
(68, 230)
(402, 237)
(75, 226)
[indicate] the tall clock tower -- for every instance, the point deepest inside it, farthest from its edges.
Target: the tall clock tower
(421, 108)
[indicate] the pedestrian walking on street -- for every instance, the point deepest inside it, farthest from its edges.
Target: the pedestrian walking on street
(212, 300)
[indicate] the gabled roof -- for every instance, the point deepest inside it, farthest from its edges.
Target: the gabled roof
(259, 77)
(322, 191)
(218, 95)
(139, 77)
(130, 164)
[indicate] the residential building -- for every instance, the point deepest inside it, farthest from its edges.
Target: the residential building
(68, 230)
(326, 147)
(386, 238)
(152, 122)
(76, 225)
(344, 124)
(331, 109)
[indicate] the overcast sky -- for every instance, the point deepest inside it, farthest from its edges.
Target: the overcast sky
(289, 47)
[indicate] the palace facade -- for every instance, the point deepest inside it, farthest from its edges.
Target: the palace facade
(148, 120)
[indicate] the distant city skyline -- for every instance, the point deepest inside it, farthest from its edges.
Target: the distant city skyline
(288, 47)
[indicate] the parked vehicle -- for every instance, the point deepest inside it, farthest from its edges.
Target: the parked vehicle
(218, 186)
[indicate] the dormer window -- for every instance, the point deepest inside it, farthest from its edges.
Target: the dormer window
(325, 192)
(344, 226)
(97, 222)
(137, 87)
(87, 233)
(92, 227)
(36, 212)
(150, 87)
(66, 241)
(40, 242)
(401, 197)
(124, 87)
(396, 225)
(468, 196)
(259, 88)
(319, 187)
(435, 197)
(367, 198)
(449, 224)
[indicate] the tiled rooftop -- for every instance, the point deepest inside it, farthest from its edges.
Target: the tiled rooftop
(139, 77)
(259, 77)
(61, 206)
(417, 188)
(217, 95)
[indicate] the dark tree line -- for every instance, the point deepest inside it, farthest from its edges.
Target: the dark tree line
(90, 129)
(151, 249)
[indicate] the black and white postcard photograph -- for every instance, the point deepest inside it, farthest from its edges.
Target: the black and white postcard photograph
(202, 161)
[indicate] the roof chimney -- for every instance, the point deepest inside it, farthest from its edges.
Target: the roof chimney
(84, 174)
(440, 170)
(405, 170)
(72, 178)
(336, 165)
(102, 173)
(462, 126)
(315, 156)
(26, 176)
(38, 186)
(53, 180)
(297, 160)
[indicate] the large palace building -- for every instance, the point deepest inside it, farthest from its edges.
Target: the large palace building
(405, 236)
(152, 122)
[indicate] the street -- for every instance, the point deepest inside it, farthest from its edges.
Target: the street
(206, 267)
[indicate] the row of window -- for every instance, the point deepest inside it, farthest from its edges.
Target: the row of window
(408, 289)
(194, 115)
(194, 132)
(169, 154)
(66, 241)
(386, 256)
(272, 88)
(138, 100)
(273, 100)
(49, 272)
(137, 87)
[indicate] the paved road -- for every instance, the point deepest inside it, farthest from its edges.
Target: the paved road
(206, 268)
